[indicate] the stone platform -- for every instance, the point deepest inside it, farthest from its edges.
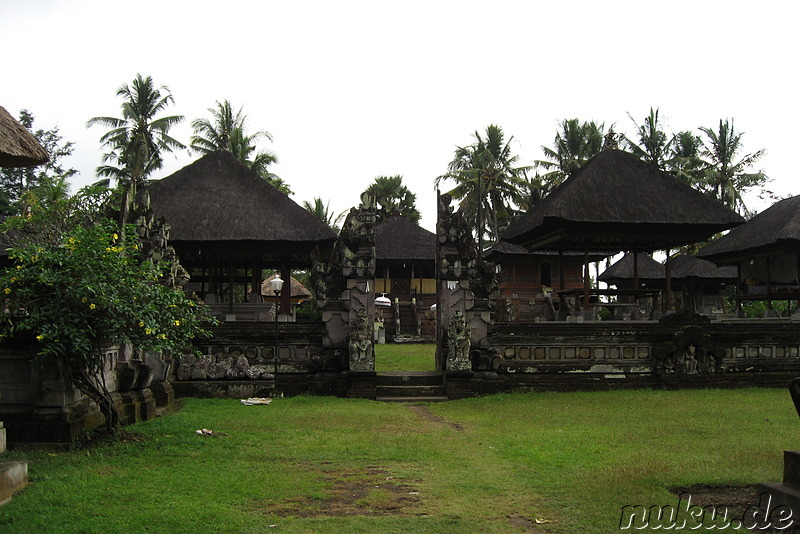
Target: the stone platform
(13, 477)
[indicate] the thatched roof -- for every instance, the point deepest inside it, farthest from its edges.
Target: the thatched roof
(217, 199)
(298, 289)
(773, 231)
(618, 201)
(18, 148)
(649, 269)
(505, 249)
(397, 238)
(685, 268)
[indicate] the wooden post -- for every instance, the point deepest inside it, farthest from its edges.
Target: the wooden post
(586, 278)
(668, 284)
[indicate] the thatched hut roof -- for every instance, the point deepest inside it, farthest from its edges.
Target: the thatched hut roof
(217, 200)
(617, 201)
(649, 270)
(505, 249)
(774, 231)
(397, 238)
(18, 148)
(685, 268)
(299, 291)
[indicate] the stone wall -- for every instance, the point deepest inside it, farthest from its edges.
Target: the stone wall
(38, 405)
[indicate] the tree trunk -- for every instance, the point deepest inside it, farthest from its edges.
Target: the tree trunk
(91, 384)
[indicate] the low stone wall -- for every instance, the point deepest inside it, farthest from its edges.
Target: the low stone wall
(558, 356)
(39, 406)
(239, 360)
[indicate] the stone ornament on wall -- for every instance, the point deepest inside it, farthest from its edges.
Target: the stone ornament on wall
(362, 357)
(690, 352)
(458, 343)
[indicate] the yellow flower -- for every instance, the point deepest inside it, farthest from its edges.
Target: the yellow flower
(141, 323)
(7, 290)
(92, 306)
(84, 299)
(162, 336)
(40, 337)
(13, 279)
(19, 267)
(177, 323)
(115, 237)
(148, 331)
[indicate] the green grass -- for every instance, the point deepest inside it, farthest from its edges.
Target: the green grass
(405, 357)
(493, 464)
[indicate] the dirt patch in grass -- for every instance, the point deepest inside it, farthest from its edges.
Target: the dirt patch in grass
(372, 491)
(739, 502)
(423, 410)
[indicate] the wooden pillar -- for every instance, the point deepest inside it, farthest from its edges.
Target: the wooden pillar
(738, 310)
(586, 278)
(635, 271)
(668, 284)
(230, 286)
(286, 293)
(769, 286)
(560, 269)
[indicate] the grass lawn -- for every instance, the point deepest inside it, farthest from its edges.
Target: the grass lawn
(550, 462)
(405, 357)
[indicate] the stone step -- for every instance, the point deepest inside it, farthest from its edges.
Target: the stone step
(409, 378)
(13, 477)
(409, 391)
(412, 399)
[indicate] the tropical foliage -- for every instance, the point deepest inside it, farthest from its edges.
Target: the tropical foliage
(392, 197)
(575, 143)
(488, 180)
(137, 141)
(226, 130)
(45, 179)
(322, 211)
(77, 291)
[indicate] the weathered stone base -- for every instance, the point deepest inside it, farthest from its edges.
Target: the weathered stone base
(788, 492)
(2, 438)
(221, 389)
(13, 477)
(363, 385)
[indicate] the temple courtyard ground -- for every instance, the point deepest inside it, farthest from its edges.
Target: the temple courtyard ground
(535, 462)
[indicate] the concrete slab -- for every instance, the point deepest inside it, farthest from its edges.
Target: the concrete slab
(13, 477)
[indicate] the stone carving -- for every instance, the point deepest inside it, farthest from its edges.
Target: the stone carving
(360, 343)
(458, 341)
(690, 352)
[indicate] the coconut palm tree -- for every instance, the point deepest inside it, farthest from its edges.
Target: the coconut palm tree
(322, 211)
(685, 161)
(574, 144)
(653, 144)
(227, 131)
(726, 178)
(392, 197)
(137, 141)
(487, 181)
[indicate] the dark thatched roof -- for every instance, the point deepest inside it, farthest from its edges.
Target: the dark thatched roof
(685, 268)
(504, 248)
(618, 201)
(217, 199)
(397, 238)
(773, 231)
(649, 269)
(18, 148)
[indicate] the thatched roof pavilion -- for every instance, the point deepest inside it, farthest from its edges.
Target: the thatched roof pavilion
(774, 231)
(691, 269)
(397, 238)
(18, 148)
(651, 272)
(405, 257)
(224, 218)
(617, 201)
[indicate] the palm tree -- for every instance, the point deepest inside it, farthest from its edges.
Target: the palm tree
(138, 139)
(726, 178)
(227, 131)
(488, 181)
(574, 144)
(392, 197)
(322, 211)
(653, 145)
(685, 161)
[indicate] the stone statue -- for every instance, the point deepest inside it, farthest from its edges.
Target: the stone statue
(690, 360)
(360, 338)
(458, 337)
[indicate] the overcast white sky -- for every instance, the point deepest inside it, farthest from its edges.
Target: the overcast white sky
(353, 90)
